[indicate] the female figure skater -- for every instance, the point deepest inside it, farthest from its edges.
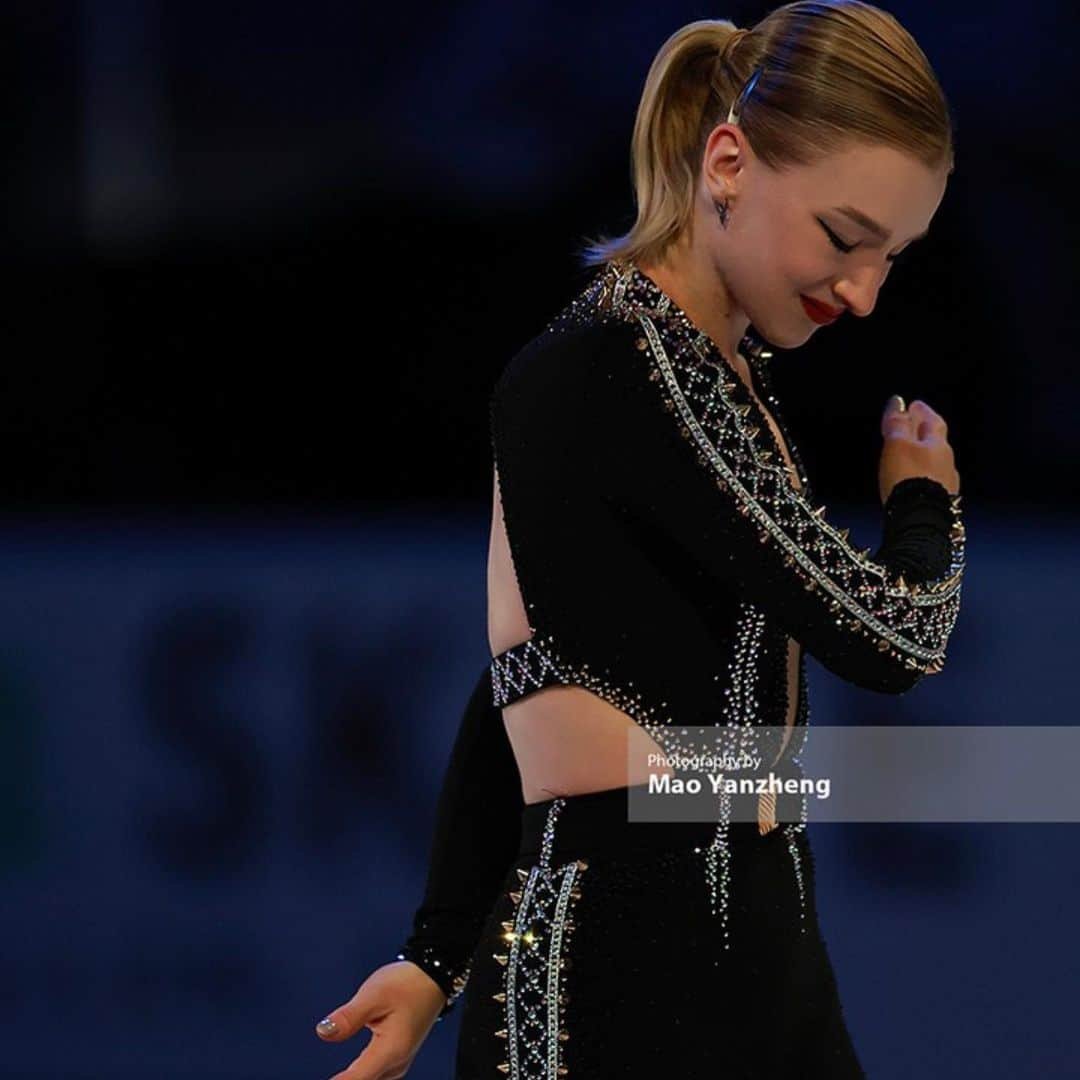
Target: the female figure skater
(658, 561)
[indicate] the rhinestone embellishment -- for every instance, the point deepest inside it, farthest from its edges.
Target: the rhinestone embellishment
(533, 997)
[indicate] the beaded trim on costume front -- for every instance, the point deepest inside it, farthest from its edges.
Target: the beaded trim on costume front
(912, 623)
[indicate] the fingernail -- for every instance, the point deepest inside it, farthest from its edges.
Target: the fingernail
(900, 403)
(326, 1026)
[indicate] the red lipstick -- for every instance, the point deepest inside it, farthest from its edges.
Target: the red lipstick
(821, 313)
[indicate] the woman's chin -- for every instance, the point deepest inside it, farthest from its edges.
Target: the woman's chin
(786, 337)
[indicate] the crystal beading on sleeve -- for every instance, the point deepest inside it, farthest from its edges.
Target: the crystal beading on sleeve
(674, 436)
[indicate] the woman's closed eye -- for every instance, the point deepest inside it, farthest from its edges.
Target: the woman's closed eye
(840, 245)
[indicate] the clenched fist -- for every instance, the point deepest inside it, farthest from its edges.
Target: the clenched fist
(915, 443)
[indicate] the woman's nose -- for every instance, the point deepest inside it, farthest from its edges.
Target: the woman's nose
(860, 292)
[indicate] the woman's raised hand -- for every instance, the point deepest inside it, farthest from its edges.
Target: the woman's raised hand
(914, 443)
(400, 1003)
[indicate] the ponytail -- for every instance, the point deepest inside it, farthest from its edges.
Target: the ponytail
(668, 138)
(835, 72)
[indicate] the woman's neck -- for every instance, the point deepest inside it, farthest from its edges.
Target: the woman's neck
(694, 285)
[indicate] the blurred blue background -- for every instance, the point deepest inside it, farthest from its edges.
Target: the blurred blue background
(264, 265)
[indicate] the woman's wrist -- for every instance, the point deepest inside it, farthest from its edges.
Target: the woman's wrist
(452, 983)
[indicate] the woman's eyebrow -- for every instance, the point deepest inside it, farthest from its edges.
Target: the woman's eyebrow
(870, 224)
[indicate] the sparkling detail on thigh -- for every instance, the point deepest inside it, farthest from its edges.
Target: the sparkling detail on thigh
(533, 997)
(790, 830)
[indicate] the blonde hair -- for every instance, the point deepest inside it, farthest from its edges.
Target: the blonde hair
(836, 73)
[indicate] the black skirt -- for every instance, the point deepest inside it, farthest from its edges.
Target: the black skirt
(652, 949)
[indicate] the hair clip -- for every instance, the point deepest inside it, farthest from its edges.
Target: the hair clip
(747, 90)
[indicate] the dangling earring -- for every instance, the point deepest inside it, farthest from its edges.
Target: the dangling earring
(722, 212)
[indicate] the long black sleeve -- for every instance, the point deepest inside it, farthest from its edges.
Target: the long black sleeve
(676, 448)
(917, 526)
(476, 835)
